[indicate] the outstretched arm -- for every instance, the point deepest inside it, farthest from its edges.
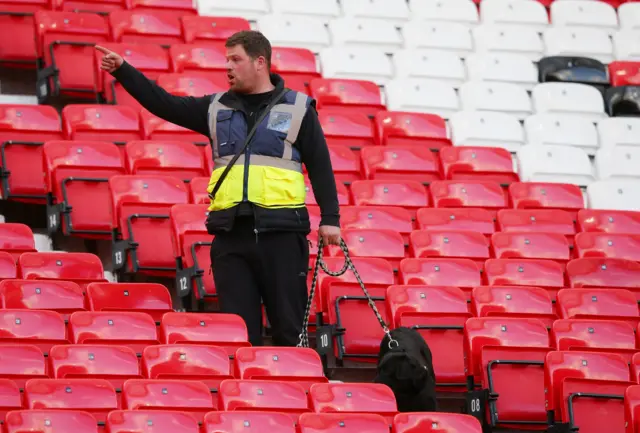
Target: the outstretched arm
(185, 111)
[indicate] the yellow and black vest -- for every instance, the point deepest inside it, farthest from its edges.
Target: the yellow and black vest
(269, 173)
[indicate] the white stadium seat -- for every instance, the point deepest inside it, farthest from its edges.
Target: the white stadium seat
(485, 128)
(422, 95)
(614, 194)
(578, 41)
(562, 129)
(439, 35)
(393, 11)
(462, 11)
(502, 67)
(626, 45)
(501, 97)
(619, 130)
(366, 32)
(359, 63)
(568, 98)
(580, 13)
(515, 12)
(325, 9)
(437, 64)
(618, 162)
(248, 9)
(295, 31)
(503, 38)
(629, 16)
(554, 163)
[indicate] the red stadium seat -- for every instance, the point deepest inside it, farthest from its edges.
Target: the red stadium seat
(192, 84)
(170, 158)
(586, 390)
(146, 27)
(531, 245)
(207, 364)
(141, 206)
(191, 245)
(631, 406)
(21, 362)
(385, 244)
(342, 398)
(291, 364)
(202, 30)
(151, 298)
(439, 314)
(537, 221)
(594, 335)
(400, 163)
(608, 245)
(353, 129)
(505, 356)
(64, 297)
(376, 217)
(547, 274)
(603, 272)
(200, 59)
(463, 273)
(250, 420)
(190, 396)
(117, 328)
(8, 267)
(76, 174)
(337, 422)
(476, 220)
(177, 7)
(10, 398)
(468, 193)
(80, 268)
(40, 328)
(478, 163)
(297, 66)
(94, 6)
(117, 124)
(598, 304)
(435, 423)
(198, 190)
(156, 128)
(263, 396)
(540, 195)
(94, 361)
(345, 163)
(406, 128)
(357, 96)
(96, 396)
(624, 73)
(161, 421)
(454, 244)
(408, 194)
(224, 330)
(150, 59)
(343, 193)
(513, 301)
(64, 43)
(24, 128)
(16, 238)
(17, 20)
(609, 221)
(51, 421)
(635, 367)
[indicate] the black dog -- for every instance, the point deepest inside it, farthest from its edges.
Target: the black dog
(407, 369)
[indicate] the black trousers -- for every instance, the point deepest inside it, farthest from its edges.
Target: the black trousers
(271, 267)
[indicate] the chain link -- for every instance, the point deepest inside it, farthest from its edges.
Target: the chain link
(348, 264)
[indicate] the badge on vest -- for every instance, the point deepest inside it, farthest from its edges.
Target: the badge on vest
(279, 121)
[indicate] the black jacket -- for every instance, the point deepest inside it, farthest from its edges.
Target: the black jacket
(191, 113)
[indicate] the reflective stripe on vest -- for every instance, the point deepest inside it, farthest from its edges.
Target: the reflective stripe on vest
(275, 176)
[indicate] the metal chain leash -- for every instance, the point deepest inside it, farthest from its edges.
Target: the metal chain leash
(348, 264)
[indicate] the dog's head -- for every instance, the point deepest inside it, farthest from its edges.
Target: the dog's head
(402, 372)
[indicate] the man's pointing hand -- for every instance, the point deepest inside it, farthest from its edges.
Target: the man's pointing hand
(110, 61)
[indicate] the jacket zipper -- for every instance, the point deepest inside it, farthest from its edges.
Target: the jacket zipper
(245, 180)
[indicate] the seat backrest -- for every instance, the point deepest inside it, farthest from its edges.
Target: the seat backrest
(172, 158)
(418, 300)
(336, 422)
(128, 421)
(125, 328)
(531, 245)
(574, 13)
(365, 32)
(186, 218)
(603, 272)
(141, 26)
(463, 273)
(541, 195)
(613, 304)
(428, 243)
(69, 27)
(555, 163)
(406, 128)
(568, 98)
(512, 301)
(501, 67)
(461, 11)
(197, 58)
(561, 129)
(344, 127)
(535, 221)
(486, 129)
(400, 162)
(389, 192)
(381, 217)
(198, 190)
(608, 221)
(41, 328)
(206, 29)
(111, 363)
(252, 422)
(352, 397)
(508, 38)
(614, 194)
(263, 395)
(53, 421)
(435, 423)
(609, 245)
(21, 362)
(356, 63)
(151, 298)
(79, 267)
(594, 334)
(495, 96)
(468, 193)
(527, 272)
(101, 122)
(450, 219)
(274, 362)
(512, 12)
(209, 364)
(332, 92)
(618, 130)
(61, 296)
(192, 83)
(35, 123)
(430, 95)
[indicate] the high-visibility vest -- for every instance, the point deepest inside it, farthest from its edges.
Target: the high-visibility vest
(269, 173)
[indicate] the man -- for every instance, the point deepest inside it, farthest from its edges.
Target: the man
(260, 249)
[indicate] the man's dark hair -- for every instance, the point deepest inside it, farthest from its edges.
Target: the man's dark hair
(253, 42)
